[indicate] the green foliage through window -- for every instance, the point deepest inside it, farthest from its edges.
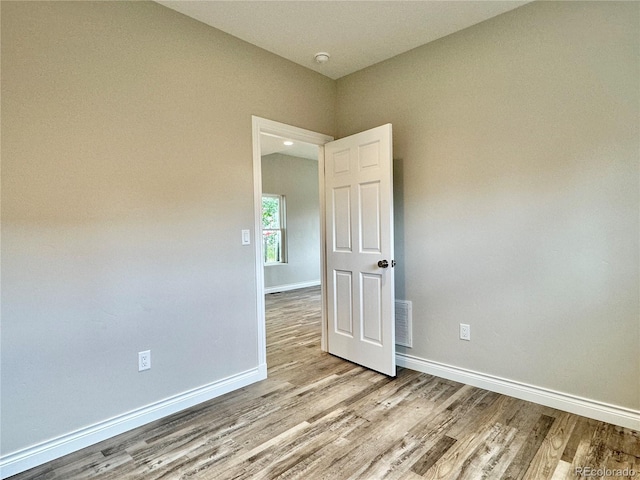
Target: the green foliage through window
(270, 212)
(273, 228)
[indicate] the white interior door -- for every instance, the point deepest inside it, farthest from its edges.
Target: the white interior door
(359, 243)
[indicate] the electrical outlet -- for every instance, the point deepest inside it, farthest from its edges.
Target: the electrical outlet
(465, 332)
(144, 360)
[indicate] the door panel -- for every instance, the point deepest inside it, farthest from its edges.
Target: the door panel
(341, 219)
(343, 286)
(370, 307)
(370, 218)
(359, 230)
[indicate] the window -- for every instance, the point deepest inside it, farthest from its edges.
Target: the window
(273, 223)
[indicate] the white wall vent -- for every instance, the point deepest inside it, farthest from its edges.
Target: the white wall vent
(404, 323)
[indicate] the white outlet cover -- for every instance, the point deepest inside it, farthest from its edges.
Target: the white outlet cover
(144, 360)
(465, 332)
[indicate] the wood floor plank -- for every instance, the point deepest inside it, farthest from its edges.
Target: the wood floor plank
(467, 457)
(563, 471)
(569, 452)
(429, 459)
(583, 450)
(549, 454)
(518, 468)
(318, 417)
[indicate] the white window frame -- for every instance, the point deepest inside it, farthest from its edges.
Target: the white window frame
(282, 214)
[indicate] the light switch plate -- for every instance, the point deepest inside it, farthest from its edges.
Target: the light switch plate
(246, 237)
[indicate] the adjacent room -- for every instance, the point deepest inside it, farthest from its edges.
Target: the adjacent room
(133, 290)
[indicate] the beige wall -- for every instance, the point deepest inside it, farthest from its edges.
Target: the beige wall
(297, 179)
(126, 181)
(517, 193)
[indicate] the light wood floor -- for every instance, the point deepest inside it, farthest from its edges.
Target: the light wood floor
(318, 417)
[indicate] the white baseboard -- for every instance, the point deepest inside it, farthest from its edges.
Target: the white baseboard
(291, 286)
(30, 457)
(624, 417)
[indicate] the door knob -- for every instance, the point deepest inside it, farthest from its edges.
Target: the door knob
(383, 264)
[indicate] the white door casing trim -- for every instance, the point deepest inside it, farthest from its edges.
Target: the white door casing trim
(263, 125)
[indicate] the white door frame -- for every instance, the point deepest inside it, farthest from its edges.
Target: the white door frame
(262, 125)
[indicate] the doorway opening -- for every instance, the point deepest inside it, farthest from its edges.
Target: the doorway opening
(290, 214)
(275, 168)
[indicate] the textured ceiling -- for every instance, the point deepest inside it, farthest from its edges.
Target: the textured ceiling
(357, 34)
(274, 144)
